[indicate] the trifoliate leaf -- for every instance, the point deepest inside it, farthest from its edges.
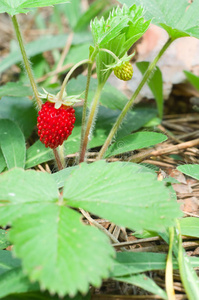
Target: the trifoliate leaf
(63, 254)
(178, 17)
(124, 196)
(14, 7)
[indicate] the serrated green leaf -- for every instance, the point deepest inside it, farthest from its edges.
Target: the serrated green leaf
(155, 83)
(118, 33)
(14, 7)
(64, 257)
(12, 143)
(19, 188)
(145, 283)
(189, 226)
(21, 111)
(178, 17)
(135, 141)
(4, 242)
(12, 278)
(190, 170)
(115, 192)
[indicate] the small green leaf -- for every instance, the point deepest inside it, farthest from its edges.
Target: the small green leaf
(44, 296)
(190, 170)
(12, 278)
(12, 143)
(178, 17)
(145, 283)
(4, 242)
(21, 111)
(193, 79)
(190, 226)
(14, 7)
(127, 198)
(155, 83)
(63, 254)
(135, 141)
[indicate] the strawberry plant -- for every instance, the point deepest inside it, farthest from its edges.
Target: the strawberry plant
(55, 254)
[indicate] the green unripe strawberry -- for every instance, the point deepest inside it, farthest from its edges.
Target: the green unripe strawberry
(124, 71)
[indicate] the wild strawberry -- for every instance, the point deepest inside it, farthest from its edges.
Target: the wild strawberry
(55, 125)
(124, 71)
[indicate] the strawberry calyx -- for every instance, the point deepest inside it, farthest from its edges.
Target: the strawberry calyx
(66, 100)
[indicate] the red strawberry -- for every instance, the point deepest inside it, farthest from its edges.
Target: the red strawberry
(55, 125)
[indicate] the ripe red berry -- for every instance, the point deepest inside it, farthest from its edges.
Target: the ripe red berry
(55, 125)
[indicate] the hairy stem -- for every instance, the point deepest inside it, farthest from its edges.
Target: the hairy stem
(68, 76)
(83, 129)
(90, 121)
(26, 61)
(58, 159)
(130, 102)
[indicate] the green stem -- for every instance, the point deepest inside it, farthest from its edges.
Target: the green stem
(110, 52)
(68, 76)
(130, 102)
(83, 129)
(90, 122)
(169, 267)
(26, 61)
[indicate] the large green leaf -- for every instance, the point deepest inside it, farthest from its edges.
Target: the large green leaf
(135, 141)
(14, 7)
(144, 282)
(127, 198)
(63, 254)
(12, 278)
(12, 143)
(190, 170)
(21, 111)
(19, 188)
(178, 17)
(155, 83)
